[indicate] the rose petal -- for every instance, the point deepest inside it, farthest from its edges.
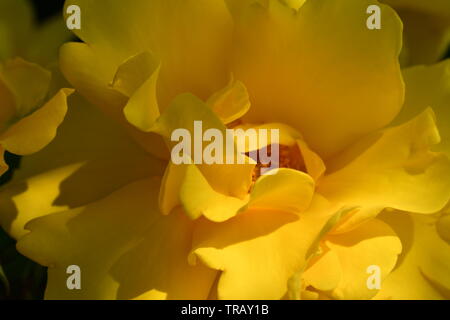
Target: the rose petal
(393, 168)
(319, 70)
(429, 86)
(35, 131)
(263, 247)
(142, 256)
(76, 168)
(372, 243)
(28, 83)
(423, 270)
(115, 35)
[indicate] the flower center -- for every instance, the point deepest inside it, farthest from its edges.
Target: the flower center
(287, 152)
(289, 157)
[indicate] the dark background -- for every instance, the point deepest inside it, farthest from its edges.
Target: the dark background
(47, 8)
(26, 279)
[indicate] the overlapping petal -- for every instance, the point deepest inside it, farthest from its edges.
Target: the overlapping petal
(392, 168)
(78, 167)
(429, 86)
(198, 198)
(426, 29)
(143, 256)
(264, 247)
(423, 268)
(325, 272)
(350, 254)
(35, 131)
(114, 35)
(231, 102)
(27, 82)
(27, 122)
(229, 179)
(311, 67)
(308, 68)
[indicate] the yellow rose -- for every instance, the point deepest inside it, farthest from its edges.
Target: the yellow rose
(352, 160)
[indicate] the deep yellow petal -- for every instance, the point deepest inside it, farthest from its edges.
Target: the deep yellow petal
(142, 109)
(198, 198)
(320, 70)
(185, 185)
(392, 168)
(263, 247)
(231, 102)
(90, 74)
(134, 72)
(228, 179)
(35, 131)
(286, 190)
(355, 218)
(169, 194)
(28, 83)
(288, 136)
(423, 270)
(373, 243)
(429, 86)
(125, 248)
(115, 35)
(314, 164)
(324, 273)
(76, 168)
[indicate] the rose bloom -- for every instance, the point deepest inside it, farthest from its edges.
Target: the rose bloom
(364, 179)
